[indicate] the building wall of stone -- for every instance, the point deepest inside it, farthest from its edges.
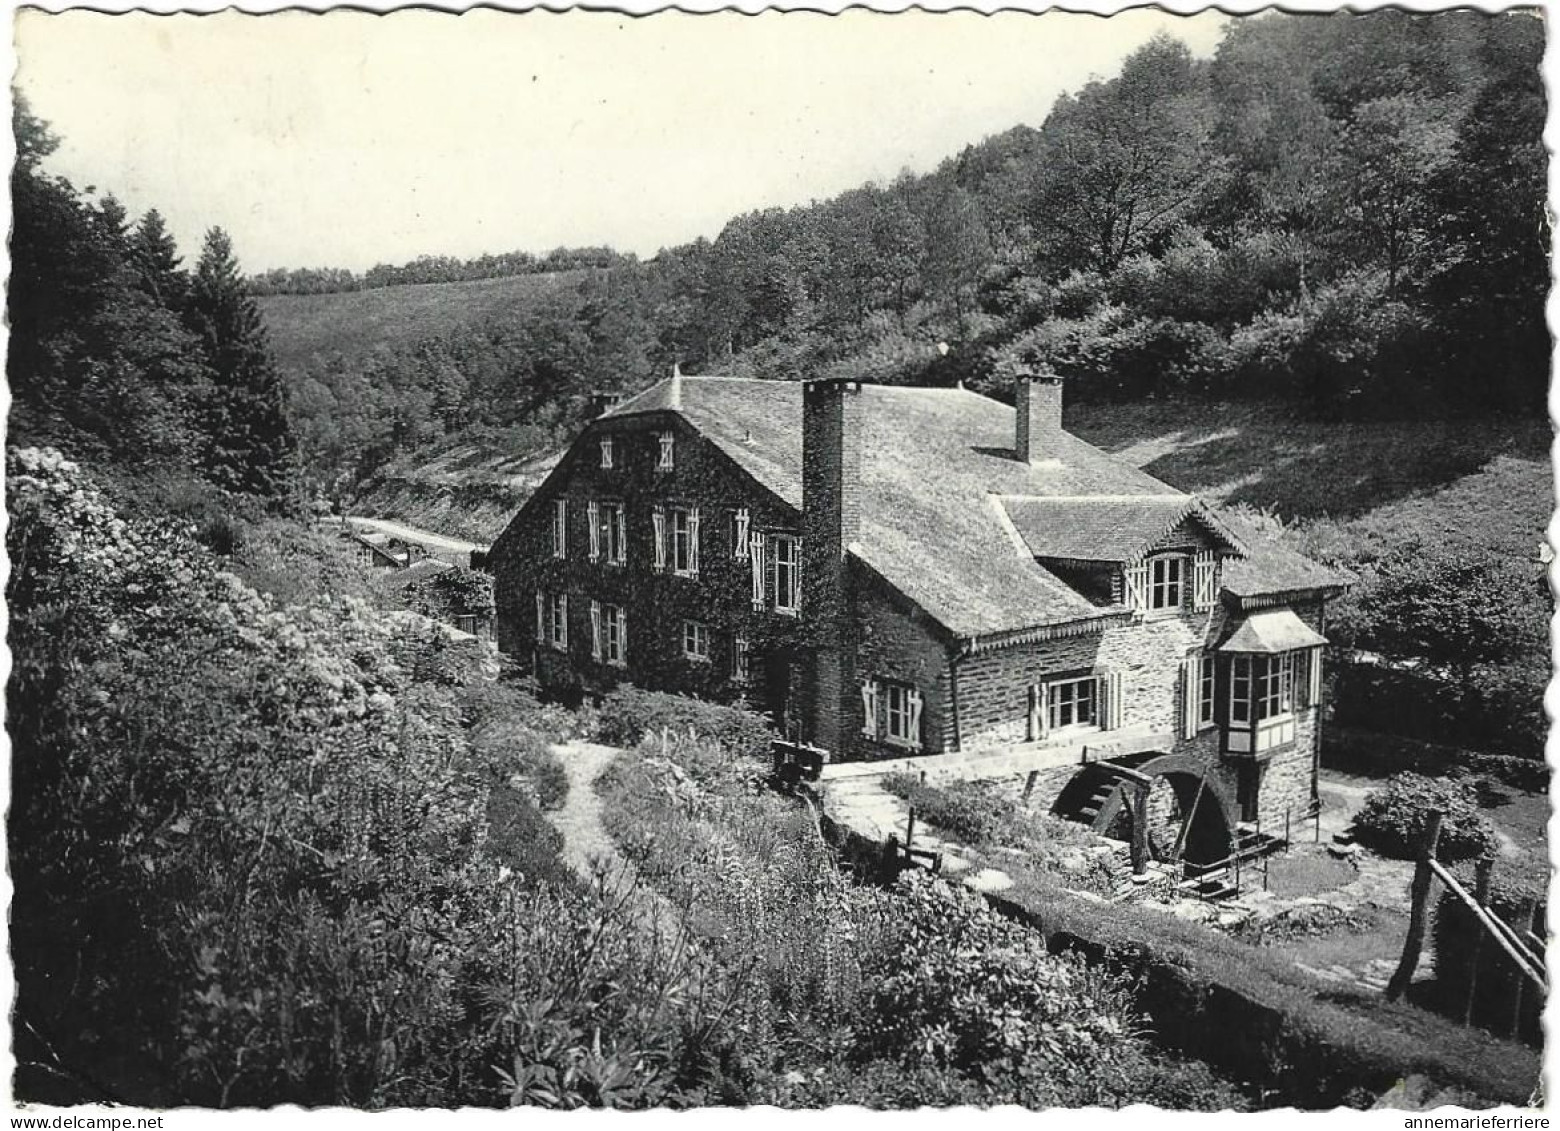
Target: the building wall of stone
(896, 641)
(657, 601)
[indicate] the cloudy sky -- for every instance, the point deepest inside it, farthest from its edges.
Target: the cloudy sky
(348, 139)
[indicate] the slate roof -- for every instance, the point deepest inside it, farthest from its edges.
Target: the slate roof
(1271, 568)
(1273, 632)
(757, 423)
(937, 465)
(1108, 528)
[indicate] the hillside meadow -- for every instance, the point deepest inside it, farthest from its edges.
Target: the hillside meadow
(356, 323)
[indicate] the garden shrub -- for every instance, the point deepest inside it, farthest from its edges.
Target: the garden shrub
(916, 995)
(255, 861)
(629, 714)
(1395, 818)
(505, 748)
(980, 815)
(968, 810)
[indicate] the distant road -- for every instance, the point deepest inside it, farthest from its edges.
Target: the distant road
(413, 534)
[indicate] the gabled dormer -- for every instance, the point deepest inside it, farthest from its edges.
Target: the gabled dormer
(1154, 554)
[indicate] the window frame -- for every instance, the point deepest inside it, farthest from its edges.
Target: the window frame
(684, 558)
(791, 561)
(890, 693)
(558, 621)
(1158, 586)
(741, 659)
(612, 532)
(614, 643)
(696, 641)
(666, 456)
(1207, 691)
(1053, 704)
(608, 454)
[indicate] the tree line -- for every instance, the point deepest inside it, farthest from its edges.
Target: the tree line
(433, 269)
(125, 357)
(1346, 211)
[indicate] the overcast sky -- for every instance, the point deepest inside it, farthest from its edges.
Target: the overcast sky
(349, 139)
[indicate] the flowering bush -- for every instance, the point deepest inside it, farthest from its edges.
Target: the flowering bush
(1395, 818)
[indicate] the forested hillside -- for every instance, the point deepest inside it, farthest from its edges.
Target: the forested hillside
(1342, 211)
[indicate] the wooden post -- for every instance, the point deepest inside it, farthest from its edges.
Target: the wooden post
(1029, 784)
(910, 830)
(1139, 830)
(1524, 915)
(1417, 913)
(1481, 892)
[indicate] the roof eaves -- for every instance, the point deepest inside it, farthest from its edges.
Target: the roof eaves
(990, 641)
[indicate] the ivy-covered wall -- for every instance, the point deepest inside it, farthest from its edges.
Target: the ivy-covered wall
(657, 602)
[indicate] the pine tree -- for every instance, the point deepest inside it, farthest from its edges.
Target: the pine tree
(156, 259)
(250, 444)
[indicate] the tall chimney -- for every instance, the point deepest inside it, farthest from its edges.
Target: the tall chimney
(831, 521)
(1037, 399)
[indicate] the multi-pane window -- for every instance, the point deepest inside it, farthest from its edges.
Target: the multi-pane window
(685, 540)
(786, 565)
(900, 713)
(606, 453)
(696, 640)
(560, 528)
(1205, 691)
(1261, 687)
(1072, 703)
(667, 457)
(558, 621)
(1166, 581)
(614, 631)
(741, 659)
(611, 533)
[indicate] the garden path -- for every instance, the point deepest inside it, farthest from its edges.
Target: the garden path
(589, 850)
(585, 839)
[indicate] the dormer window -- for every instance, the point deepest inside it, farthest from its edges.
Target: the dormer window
(1166, 582)
(667, 457)
(606, 453)
(1156, 585)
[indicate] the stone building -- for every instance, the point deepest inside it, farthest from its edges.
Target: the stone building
(909, 572)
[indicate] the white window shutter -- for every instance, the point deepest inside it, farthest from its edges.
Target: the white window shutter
(1110, 708)
(659, 518)
(739, 546)
(1314, 678)
(693, 540)
(869, 708)
(620, 520)
(541, 617)
(1191, 693)
(593, 518)
(606, 451)
(1205, 573)
(563, 616)
(1137, 586)
(561, 528)
(595, 631)
(1039, 712)
(756, 554)
(915, 715)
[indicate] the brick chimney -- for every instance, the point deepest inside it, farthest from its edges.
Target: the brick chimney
(1037, 399)
(831, 521)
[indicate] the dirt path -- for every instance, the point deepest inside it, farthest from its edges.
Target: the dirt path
(589, 850)
(585, 840)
